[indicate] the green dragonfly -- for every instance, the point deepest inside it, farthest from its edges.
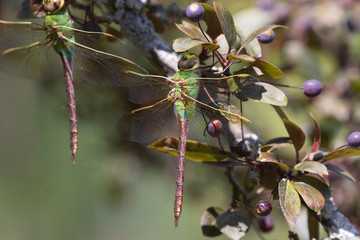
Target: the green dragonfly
(182, 98)
(80, 53)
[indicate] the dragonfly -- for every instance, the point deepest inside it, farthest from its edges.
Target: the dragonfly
(56, 36)
(182, 99)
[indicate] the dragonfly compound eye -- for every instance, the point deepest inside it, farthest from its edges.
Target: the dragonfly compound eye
(188, 62)
(52, 6)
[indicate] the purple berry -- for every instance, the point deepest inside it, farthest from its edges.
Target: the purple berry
(214, 128)
(263, 208)
(266, 224)
(266, 37)
(354, 139)
(312, 88)
(195, 12)
(265, 4)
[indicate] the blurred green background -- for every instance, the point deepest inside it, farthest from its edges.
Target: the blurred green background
(118, 189)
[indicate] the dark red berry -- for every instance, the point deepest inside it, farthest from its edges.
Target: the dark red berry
(195, 12)
(266, 224)
(312, 88)
(263, 208)
(354, 139)
(266, 37)
(214, 128)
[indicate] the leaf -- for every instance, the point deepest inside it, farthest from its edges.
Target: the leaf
(242, 57)
(195, 151)
(184, 44)
(311, 196)
(280, 112)
(271, 157)
(316, 183)
(289, 202)
(256, 33)
(295, 133)
(208, 222)
(253, 48)
(313, 225)
(340, 171)
(341, 153)
(312, 167)
(264, 93)
(233, 223)
(212, 21)
(268, 69)
(191, 30)
(317, 135)
(226, 23)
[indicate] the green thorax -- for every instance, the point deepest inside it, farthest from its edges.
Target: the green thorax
(186, 83)
(61, 19)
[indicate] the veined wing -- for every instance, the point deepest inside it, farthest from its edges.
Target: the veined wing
(96, 63)
(26, 51)
(151, 122)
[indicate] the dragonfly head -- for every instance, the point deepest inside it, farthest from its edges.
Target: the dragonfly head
(52, 6)
(188, 61)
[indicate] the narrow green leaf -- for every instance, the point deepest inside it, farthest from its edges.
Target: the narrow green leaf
(252, 48)
(264, 93)
(289, 202)
(340, 171)
(272, 158)
(191, 30)
(295, 133)
(234, 223)
(273, 146)
(311, 196)
(212, 21)
(268, 69)
(184, 44)
(341, 153)
(242, 57)
(226, 23)
(312, 167)
(195, 151)
(313, 225)
(208, 222)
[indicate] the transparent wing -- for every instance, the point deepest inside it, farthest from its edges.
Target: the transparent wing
(151, 122)
(26, 52)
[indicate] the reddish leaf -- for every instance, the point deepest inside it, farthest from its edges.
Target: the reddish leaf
(341, 153)
(317, 135)
(191, 30)
(289, 202)
(316, 183)
(312, 167)
(340, 171)
(311, 196)
(195, 151)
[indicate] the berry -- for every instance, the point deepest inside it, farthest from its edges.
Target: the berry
(263, 208)
(354, 139)
(266, 224)
(214, 128)
(266, 37)
(312, 88)
(195, 12)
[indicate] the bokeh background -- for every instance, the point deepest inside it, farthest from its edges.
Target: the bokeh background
(121, 190)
